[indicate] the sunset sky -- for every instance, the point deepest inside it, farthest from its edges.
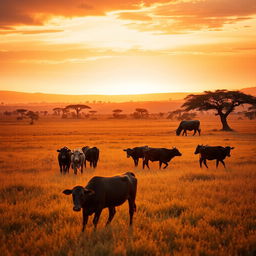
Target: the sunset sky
(127, 47)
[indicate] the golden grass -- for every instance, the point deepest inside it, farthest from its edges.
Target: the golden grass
(182, 210)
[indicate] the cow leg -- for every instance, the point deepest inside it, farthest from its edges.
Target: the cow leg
(217, 163)
(166, 164)
(205, 163)
(85, 220)
(96, 217)
(60, 168)
(82, 166)
(160, 164)
(137, 162)
(223, 163)
(90, 164)
(199, 131)
(194, 132)
(84, 163)
(183, 133)
(200, 161)
(112, 212)
(75, 171)
(132, 208)
(145, 162)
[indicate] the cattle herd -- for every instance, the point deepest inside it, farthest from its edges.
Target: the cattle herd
(109, 192)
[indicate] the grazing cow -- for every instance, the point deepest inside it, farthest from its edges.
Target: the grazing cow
(64, 159)
(77, 160)
(91, 155)
(189, 125)
(163, 155)
(104, 192)
(217, 153)
(136, 153)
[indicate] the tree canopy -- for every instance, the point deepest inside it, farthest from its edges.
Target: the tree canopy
(33, 116)
(77, 108)
(222, 101)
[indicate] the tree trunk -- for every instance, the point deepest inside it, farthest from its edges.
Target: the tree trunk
(225, 126)
(77, 113)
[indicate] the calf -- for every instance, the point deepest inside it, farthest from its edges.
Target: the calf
(217, 153)
(163, 155)
(91, 155)
(77, 160)
(188, 125)
(136, 153)
(64, 159)
(104, 192)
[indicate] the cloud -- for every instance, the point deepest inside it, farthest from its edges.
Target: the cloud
(166, 16)
(183, 16)
(30, 12)
(29, 32)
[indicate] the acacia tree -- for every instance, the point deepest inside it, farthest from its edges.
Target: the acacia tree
(117, 112)
(33, 116)
(251, 113)
(57, 111)
(141, 113)
(222, 101)
(77, 108)
(21, 112)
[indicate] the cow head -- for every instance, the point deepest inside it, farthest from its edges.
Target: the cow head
(198, 149)
(129, 152)
(176, 152)
(64, 152)
(228, 149)
(76, 156)
(80, 195)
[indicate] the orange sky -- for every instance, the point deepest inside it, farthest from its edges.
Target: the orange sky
(127, 47)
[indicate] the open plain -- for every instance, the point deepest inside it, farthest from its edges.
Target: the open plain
(182, 210)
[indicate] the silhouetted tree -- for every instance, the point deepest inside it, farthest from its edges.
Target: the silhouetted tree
(140, 113)
(78, 108)
(222, 101)
(180, 115)
(175, 114)
(93, 112)
(8, 113)
(251, 114)
(57, 111)
(33, 116)
(21, 112)
(117, 112)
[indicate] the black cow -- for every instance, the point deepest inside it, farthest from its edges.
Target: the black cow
(163, 155)
(64, 159)
(217, 153)
(91, 155)
(136, 153)
(104, 192)
(189, 125)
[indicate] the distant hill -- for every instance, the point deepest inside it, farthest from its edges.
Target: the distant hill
(250, 90)
(12, 97)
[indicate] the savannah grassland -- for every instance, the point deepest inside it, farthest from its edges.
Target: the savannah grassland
(182, 210)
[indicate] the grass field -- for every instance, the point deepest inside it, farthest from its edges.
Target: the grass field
(182, 210)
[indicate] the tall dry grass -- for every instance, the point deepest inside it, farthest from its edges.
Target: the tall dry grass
(182, 210)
